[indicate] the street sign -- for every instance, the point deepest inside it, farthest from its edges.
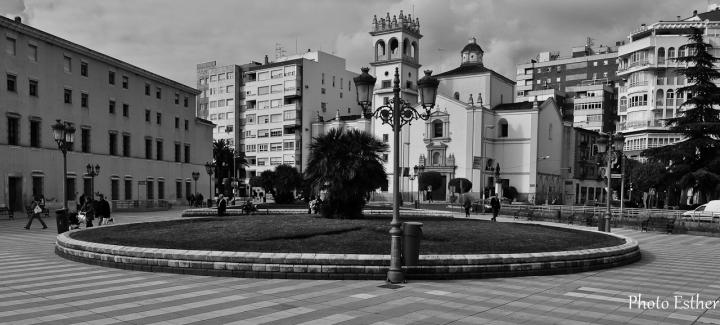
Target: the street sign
(616, 175)
(477, 162)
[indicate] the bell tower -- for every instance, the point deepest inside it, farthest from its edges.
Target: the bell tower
(396, 44)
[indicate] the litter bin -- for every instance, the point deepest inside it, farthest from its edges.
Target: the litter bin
(412, 233)
(61, 219)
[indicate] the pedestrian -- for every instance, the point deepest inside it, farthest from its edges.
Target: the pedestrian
(35, 212)
(467, 206)
(191, 200)
(102, 210)
(221, 205)
(199, 200)
(88, 209)
(495, 207)
(80, 202)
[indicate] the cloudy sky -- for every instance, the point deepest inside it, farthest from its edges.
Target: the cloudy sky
(169, 37)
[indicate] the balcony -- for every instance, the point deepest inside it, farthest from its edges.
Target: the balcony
(636, 125)
(634, 66)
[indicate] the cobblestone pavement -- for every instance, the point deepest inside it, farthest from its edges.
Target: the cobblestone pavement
(38, 287)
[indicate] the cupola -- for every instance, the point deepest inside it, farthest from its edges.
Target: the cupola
(472, 53)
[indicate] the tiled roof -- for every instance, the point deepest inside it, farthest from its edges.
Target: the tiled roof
(713, 15)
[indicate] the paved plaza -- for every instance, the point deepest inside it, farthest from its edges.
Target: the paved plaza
(38, 287)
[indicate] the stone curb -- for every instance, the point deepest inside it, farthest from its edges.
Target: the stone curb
(343, 266)
(210, 212)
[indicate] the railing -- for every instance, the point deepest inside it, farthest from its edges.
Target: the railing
(634, 64)
(641, 124)
(140, 204)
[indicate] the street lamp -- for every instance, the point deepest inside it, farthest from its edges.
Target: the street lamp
(64, 134)
(482, 168)
(610, 143)
(417, 170)
(195, 176)
(397, 114)
(210, 169)
(92, 171)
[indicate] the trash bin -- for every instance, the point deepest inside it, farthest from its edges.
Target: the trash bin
(412, 233)
(61, 219)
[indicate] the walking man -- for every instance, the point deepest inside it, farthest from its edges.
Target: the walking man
(495, 207)
(467, 204)
(102, 210)
(221, 205)
(35, 211)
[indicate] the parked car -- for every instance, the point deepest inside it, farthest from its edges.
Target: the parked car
(707, 212)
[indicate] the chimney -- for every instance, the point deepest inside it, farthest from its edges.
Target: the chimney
(18, 19)
(678, 18)
(266, 59)
(694, 13)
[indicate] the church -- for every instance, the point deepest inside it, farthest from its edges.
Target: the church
(475, 131)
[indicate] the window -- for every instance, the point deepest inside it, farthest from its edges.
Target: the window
(112, 142)
(67, 64)
(125, 82)
(262, 147)
(187, 153)
(150, 190)
(177, 122)
(10, 46)
(263, 119)
(111, 107)
(289, 115)
(289, 145)
(161, 189)
(263, 133)
(159, 149)
(177, 99)
(158, 118)
(35, 133)
(229, 89)
(187, 125)
(68, 97)
(11, 82)
(230, 103)
(276, 132)
(276, 146)
(263, 90)
(13, 130)
(275, 103)
(503, 129)
(126, 110)
(128, 189)
(185, 101)
(177, 152)
(147, 89)
(386, 84)
(158, 92)
(385, 137)
(147, 115)
(322, 90)
(275, 118)
(148, 148)
(178, 189)
(33, 88)
(250, 119)
(32, 52)
(250, 148)
(85, 138)
(323, 78)
(275, 161)
(126, 145)
(437, 129)
(84, 69)
(111, 77)
(323, 107)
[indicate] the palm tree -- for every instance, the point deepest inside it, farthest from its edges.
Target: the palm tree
(347, 164)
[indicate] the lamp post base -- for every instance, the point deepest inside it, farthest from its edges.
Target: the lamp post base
(395, 273)
(606, 221)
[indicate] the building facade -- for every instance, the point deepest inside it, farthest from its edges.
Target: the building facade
(139, 127)
(283, 99)
(221, 97)
(587, 78)
(649, 93)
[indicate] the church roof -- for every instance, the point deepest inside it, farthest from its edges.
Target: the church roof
(513, 106)
(713, 15)
(469, 69)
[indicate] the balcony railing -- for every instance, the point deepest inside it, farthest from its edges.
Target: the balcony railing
(634, 64)
(641, 124)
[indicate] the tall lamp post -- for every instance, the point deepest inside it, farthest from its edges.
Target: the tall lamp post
(417, 170)
(210, 169)
(483, 168)
(195, 176)
(64, 134)
(610, 144)
(397, 113)
(92, 171)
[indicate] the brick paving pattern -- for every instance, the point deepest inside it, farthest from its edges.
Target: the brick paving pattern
(38, 287)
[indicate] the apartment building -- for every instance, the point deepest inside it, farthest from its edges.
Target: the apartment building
(221, 96)
(587, 79)
(138, 126)
(649, 93)
(283, 99)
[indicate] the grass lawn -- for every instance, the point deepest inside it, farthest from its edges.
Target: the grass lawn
(309, 234)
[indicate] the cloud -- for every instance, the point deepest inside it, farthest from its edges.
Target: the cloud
(169, 37)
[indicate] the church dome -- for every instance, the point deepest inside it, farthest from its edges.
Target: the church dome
(472, 53)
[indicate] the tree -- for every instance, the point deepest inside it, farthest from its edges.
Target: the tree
(461, 185)
(695, 161)
(222, 155)
(267, 181)
(348, 165)
(286, 179)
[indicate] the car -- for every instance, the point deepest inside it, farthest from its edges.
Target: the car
(707, 212)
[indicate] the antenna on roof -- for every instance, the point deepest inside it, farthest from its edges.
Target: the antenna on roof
(279, 51)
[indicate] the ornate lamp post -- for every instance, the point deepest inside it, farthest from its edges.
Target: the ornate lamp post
(210, 169)
(195, 176)
(610, 143)
(417, 170)
(92, 171)
(64, 134)
(398, 113)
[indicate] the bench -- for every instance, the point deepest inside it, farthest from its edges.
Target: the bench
(4, 210)
(658, 223)
(524, 212)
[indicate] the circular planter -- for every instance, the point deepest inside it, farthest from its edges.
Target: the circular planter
(343, 266)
